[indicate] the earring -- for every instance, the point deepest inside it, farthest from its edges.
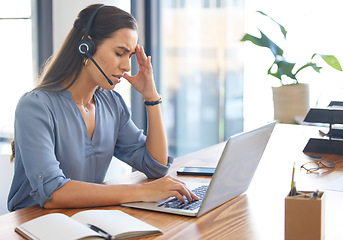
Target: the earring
(85, 61)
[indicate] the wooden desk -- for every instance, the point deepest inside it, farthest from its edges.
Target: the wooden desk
(256, 214)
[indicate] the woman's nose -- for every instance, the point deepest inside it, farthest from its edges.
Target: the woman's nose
(125, 65)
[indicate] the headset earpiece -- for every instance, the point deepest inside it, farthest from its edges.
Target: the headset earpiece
(86, 45)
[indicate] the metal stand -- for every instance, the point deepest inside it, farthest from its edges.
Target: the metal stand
(332, 143)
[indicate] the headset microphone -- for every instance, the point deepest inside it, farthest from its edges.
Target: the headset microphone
(91, 58)
(86, 47)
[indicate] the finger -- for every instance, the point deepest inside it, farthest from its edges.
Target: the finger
(191, 195)
(143, 52)
(179, 196)
(180, 187)
(140, 56)
(128, 77)
(194, 196)
(183, 190)
(137, 54)
(143, 57)
(188, 193)
(148, 60)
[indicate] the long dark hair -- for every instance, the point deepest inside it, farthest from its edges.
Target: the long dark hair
(67, 63)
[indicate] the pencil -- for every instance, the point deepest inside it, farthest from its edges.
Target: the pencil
(292, 184)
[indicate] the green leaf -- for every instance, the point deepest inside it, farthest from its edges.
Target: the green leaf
(330, 60)
(316, 68)
(283, 68)
(283, 30)
(310, 64)
(263, 41)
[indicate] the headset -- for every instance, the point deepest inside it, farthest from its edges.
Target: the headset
(86, 47)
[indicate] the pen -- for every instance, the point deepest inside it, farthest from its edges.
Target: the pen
(292, 184)
(100, 231)
(315, 194)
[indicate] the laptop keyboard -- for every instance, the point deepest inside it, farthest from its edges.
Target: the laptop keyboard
(187, 205)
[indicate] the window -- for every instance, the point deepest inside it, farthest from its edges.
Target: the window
(16, 75)
(201, 72)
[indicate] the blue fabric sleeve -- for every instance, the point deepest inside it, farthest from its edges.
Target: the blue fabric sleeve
(34, 136)
(131, 148)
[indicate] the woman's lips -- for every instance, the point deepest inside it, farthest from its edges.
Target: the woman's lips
(117, 78)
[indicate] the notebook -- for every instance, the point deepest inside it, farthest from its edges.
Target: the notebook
(232, 177)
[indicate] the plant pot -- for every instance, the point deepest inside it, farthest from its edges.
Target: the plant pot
(291, 102)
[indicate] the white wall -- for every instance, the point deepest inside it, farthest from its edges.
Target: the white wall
(64, 13)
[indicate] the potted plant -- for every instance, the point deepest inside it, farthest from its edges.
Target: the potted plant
(291, 100)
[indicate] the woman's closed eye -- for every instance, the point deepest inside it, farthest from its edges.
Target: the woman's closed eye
(119, 54)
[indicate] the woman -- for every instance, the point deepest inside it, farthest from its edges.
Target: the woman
(68, 128)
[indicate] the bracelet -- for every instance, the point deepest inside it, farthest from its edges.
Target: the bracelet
(153, 103)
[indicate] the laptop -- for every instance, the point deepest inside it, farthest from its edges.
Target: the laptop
(232, 177)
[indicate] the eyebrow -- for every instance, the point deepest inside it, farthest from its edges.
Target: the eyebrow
(126, 50)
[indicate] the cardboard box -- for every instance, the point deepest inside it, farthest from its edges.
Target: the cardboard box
(305, 216)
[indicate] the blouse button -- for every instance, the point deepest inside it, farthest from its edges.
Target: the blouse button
(40, 176)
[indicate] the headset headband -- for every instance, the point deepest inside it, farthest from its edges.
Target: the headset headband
(89, 23)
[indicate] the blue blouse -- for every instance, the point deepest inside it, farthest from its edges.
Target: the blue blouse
(52, 145)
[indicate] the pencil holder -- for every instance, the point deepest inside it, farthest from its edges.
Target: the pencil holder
(304, 216)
